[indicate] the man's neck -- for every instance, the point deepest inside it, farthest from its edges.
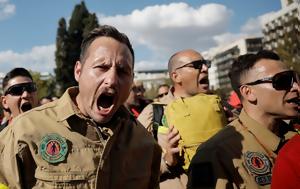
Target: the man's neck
(266, 120)
(180, 93)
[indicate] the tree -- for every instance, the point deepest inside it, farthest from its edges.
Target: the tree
(90, 23)
(68, 42)
(61, 55)
(45, 84)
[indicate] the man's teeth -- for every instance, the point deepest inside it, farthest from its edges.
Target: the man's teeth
(101, 108)
(294, 101)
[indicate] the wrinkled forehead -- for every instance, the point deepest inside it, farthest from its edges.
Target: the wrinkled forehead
(264, 68)
(17, 80)
(110, 46)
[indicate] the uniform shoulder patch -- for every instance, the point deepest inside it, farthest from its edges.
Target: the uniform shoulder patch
(53, 148)
(259, 166)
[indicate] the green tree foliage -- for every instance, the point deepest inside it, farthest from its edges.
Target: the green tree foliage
(90, 23)
(61, 55)
(68, 42)
(289, 47)
(45, 84)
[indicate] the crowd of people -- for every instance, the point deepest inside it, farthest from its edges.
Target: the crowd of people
(104, 133)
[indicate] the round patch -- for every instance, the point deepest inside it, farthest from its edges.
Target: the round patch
(257, 163)
(53, 148)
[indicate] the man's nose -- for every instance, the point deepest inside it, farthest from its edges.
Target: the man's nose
(25, 93)
(204, 68)
(296, 86)
(111, 77)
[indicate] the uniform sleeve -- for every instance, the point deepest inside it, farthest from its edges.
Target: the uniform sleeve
(9, 170)
(208, 170)
(146, 118)
(9, 161)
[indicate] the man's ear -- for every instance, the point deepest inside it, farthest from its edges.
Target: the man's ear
(248, 93)
(176, 77)
(4, 102)
(77, 70)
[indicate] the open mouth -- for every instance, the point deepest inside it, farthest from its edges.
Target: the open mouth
(295, 101)
(105, 101)
(26, 106)
(204, 81)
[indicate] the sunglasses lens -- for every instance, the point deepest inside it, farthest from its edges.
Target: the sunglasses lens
(161, 95)
(30, 88)
(18, 89)
(283, 80)
(199, 64)
(208, 63)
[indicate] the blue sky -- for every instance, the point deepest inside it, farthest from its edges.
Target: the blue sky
(156, 28)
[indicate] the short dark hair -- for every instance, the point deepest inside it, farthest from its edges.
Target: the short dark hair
(104, 31)
(244, 63)
(15, 73)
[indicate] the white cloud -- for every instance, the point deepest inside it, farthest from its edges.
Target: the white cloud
(226, 38)
(252, 28)
(165, 29)
(6, 9)
(161, 29)
(254, 25)
(39, 58)
(148, 65)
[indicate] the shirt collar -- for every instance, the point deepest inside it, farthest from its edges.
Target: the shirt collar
(66, 107)
(262, 134)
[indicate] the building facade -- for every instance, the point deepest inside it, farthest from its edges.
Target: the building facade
(151, 78)
(223, 58)
(283, 26)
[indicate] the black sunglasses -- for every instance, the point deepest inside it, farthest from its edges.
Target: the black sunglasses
(196, 64)
(280, 81)
(161, 95)
(18, 89)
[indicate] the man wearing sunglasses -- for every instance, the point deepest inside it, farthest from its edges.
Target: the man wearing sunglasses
(162, 91)
(19, 93)
(188, 71)
(243, 154)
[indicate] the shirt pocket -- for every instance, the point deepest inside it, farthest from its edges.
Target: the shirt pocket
(64, 179)
(78, 170)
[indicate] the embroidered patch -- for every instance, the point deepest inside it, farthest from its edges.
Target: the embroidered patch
(53, 148)
(263, 180)
(259, 166)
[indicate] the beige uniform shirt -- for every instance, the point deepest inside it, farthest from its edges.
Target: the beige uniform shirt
(239, 156)
(171, 178)
(54, 146)
(146, 116)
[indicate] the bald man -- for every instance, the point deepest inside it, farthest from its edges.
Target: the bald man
(189, 74)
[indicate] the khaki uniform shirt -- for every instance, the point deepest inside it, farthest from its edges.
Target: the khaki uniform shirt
(54, 146)
(239, 156)
(171, 178)
(146, 116)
